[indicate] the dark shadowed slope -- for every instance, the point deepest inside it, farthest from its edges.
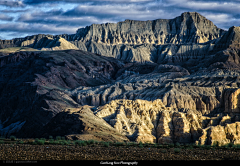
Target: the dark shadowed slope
(32, 86)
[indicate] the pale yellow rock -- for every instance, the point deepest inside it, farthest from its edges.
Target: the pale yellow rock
(146, 138)
(232, 103)
(27, 43)
(165, 128)
(225, 120)
(150, 121)
(233, 132)
(213, 135)
(59, 44)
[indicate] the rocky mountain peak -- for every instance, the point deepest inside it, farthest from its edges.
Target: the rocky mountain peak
(231, 37)
(190, 27)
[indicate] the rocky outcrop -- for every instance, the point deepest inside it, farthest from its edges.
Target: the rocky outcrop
(11, 43)
(232, 100)
(141, 102)
(48, 43)
(161, 41)
(221, 135)
(231, 37)
(162, 82)
(150, 121)
(41, 41)
(81, 122)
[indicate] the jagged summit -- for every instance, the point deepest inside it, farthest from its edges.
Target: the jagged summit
(158, 41)
(231, 36)
(190, 27)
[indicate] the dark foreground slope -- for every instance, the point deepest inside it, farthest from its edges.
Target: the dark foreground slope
(32, 86)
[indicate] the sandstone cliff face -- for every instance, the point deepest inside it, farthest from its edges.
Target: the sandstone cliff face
(150, 121)
(173, 84)
(232, 102)
(167, 53)
(221, 135)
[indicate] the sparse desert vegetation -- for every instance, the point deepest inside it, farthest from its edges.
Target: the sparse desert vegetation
(61, 149)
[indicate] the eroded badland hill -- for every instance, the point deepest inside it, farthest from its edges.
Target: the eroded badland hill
(162, 81)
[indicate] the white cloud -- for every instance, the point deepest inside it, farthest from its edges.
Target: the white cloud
(117, 11)
(36, 28)
(4, 17)
(218, 18)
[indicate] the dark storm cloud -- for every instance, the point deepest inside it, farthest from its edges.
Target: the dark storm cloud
(211, 6)
(56, 19)
(80, 1)
(12, 3)
(14, 10)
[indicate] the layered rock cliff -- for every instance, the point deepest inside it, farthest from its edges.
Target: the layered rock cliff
(188, 36)
(190, 27)
(151, 41)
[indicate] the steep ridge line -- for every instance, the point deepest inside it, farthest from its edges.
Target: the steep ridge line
(142, 41)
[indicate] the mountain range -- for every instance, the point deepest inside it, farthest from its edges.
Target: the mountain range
(164, 81)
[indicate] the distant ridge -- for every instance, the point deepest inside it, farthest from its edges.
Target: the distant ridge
(155, 41)
(190, 27)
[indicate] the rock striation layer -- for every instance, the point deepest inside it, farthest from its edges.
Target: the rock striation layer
(190, 27)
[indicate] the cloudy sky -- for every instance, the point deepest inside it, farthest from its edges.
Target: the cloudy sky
(19, 18)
